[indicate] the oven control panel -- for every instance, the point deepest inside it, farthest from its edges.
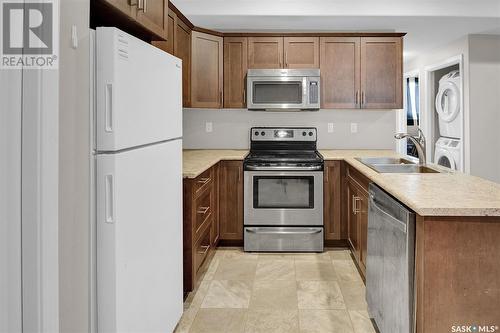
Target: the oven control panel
(283, 134)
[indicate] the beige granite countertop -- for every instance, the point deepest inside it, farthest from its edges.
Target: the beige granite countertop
(195, 161)
(431, 194)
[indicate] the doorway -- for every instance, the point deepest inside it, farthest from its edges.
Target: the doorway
(408, 120)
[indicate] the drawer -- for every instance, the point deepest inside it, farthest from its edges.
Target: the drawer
(203, 181)
(358, 177)
(203, 211)
(283, 239)
(202, 248)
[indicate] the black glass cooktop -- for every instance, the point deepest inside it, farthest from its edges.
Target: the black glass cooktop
(289, 156)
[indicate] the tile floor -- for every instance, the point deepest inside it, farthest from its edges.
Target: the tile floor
(266, 293)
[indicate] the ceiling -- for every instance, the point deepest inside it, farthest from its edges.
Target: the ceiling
(428, 24)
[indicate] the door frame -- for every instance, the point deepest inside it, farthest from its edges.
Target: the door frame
(401, 119)
(427, 112)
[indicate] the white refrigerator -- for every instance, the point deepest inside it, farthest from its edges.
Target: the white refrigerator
(138, 184)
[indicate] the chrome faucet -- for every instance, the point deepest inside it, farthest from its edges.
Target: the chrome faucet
(419, 142)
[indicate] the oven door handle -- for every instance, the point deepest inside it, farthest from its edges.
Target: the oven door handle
(288, 232)
(283, 167)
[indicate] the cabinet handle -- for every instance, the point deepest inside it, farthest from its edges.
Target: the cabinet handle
(355, 209)
(203, 180)
(202, 210)
(140, 5)
(220, 97)
(362, 98)
(326, 174)
(244, 96)
(145, 5)
(204, 248)
(357, 97)
(286, 59)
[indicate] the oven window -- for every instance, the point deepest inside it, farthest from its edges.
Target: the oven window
(283, 192)
(266, 92)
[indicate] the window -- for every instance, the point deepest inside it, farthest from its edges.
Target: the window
(412, 109)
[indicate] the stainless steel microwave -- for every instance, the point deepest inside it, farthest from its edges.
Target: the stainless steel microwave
(283, 89)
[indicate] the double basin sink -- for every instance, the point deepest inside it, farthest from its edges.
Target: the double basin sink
(395, 165)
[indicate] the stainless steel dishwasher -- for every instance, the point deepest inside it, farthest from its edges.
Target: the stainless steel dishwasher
(390, 263)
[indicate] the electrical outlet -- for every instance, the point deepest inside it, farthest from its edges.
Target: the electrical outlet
(354, 127)
(330, 127)
(208, 127)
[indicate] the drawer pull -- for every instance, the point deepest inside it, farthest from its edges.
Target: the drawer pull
(205, 249)
(203, 210)
(203, 180)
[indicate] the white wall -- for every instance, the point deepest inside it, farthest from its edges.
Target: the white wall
(74, 170)
(231, 127)
(484, 85)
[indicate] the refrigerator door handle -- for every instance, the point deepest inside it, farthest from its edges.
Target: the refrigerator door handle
(109, 200)
(108, 114)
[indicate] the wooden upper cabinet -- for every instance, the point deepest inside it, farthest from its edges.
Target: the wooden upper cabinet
(124, 6)
(182, 50)
(235, 70)
(301, 52)
(381, 73)
(340, 72)
(265, 52)
(168, 45)
(153, 14)
(231, 200)
(206, 70)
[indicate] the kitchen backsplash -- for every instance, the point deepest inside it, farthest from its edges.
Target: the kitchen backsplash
(230, 127)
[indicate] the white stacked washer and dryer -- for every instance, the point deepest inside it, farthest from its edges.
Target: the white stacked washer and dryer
(448, 150)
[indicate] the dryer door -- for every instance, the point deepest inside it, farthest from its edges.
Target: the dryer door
(444, 158)
(448, 101)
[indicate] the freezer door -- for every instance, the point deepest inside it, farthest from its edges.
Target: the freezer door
(139, 239)
(138, 92)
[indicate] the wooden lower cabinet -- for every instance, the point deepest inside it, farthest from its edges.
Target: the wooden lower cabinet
(332, 208)
(213, 212)
(356, 212)
(231, 201)
(200, 216)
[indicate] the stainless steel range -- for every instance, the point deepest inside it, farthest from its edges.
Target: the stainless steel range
(283, 191)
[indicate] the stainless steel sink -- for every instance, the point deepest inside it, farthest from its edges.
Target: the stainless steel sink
(402, 168)
(384, 160)
(395, 165)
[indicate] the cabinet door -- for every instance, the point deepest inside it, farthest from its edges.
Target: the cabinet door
(235, 70)
(124, 6)
(352, 218)
(206, 70)
(168, 45)
(381, 73)
(265, 52)
(215, 222)
(153, 14)
(363, 227)
(340, 72)
(231, 200)
(332, 200)
(301, 52)
(182, 50)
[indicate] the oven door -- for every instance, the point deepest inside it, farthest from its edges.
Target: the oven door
(283, 198)
(275, 93)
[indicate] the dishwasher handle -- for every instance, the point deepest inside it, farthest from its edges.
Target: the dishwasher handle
(402, 225)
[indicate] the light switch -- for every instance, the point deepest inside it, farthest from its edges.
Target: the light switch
(354, 127)
(330, 127)
(208, 127)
